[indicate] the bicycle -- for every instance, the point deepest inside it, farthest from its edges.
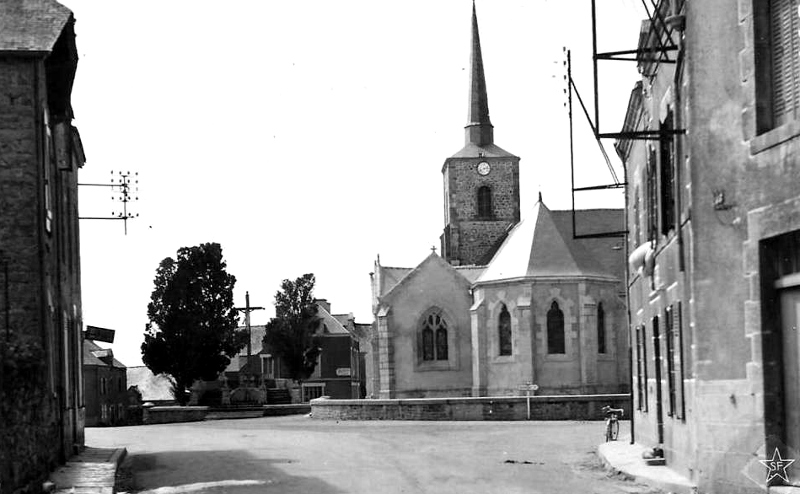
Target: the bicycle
(612, 422)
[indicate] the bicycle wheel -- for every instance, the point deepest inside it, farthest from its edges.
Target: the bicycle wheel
(614, 429)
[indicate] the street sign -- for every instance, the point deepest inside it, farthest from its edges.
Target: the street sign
(99, 334)
(343, 372)
(528, 387)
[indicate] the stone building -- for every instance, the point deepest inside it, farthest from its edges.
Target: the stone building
(338, 373)
(714, 221)
(40, 154)
(510, 301)
(105, 386)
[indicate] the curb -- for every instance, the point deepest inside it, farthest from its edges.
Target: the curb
(651, 480)
(118, 456)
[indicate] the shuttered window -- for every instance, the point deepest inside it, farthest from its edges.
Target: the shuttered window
(641, 368)
(667, 175)
(671, 357)
(652, 196)
(784, 24)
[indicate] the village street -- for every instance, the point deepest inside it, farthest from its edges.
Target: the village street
(302, 455)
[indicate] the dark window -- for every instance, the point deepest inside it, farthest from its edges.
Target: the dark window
(504, 331)
(667, 175)
(652, 196)
(671, 368)
(601, 329)
(434, 338)
(777, 43)
(555, 329)
(641, 367)
(485, 202)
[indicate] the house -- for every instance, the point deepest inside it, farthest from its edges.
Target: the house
(338, 373)
(513, 299)
(105, 386)
(714, 221)
(42, 409)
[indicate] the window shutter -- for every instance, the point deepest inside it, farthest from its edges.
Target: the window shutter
(784, 25)
(680, 404)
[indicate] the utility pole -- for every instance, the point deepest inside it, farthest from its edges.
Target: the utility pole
(247, 310)
(127, 186)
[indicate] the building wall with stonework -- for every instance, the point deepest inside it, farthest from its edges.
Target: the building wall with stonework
(584, 368)
(470, 234)
(722, 393)
(433, 288)
(40, 153)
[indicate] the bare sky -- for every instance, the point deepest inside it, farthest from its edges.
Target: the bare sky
(309, 135)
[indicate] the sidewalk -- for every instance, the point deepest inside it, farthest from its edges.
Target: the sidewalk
(624, 457)
(93, 471)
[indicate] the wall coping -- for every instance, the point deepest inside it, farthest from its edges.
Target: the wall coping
(481, 399)
(171, 408)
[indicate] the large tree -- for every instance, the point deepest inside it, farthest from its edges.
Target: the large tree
(192, 329)
(291, 334)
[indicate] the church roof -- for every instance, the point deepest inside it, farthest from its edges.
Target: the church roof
(31, 25)
(479, 132)
(432, 260)
(471, 273)
(491, 150)
(390, 277)
(538, 247)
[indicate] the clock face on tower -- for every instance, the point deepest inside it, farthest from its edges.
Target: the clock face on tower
(484, 168)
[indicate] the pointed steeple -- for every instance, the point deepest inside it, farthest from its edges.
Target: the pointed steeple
(479, 129)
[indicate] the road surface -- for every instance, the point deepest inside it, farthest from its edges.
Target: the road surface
(303, 455)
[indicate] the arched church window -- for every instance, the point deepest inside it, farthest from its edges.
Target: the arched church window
(427, 343)
(601, 329)
(504, 331)
(555, 329)
(434, 337)
(441, 343)
(485, 202)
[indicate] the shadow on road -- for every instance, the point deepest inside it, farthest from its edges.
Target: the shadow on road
(176, 472)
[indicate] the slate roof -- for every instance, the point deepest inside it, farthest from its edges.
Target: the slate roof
(153, 387)
(390, 277)
(486, 151)
(541, 246)
(472, 273)
(89, 358)
(431, 259)
(608, 252)
(31, 25)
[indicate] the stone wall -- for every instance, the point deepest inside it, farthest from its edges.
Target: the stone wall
(167, 415)
(574, 407)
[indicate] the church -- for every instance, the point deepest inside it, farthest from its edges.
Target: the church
(511, 301)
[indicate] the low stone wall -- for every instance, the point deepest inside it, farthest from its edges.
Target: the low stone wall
(166, 415)
(565, 407)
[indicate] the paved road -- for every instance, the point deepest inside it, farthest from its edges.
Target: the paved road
(303, 455)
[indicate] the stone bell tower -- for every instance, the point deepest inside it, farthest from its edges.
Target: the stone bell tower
(481, 181)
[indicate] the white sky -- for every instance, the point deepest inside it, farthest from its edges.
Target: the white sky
(309, 135)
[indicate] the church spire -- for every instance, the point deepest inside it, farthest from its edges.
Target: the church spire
(479, 128)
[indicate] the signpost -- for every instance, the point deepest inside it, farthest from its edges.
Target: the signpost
(528, 387)
(99, 334)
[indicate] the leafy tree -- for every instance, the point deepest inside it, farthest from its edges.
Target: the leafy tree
(192, 329)
(291, 333)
